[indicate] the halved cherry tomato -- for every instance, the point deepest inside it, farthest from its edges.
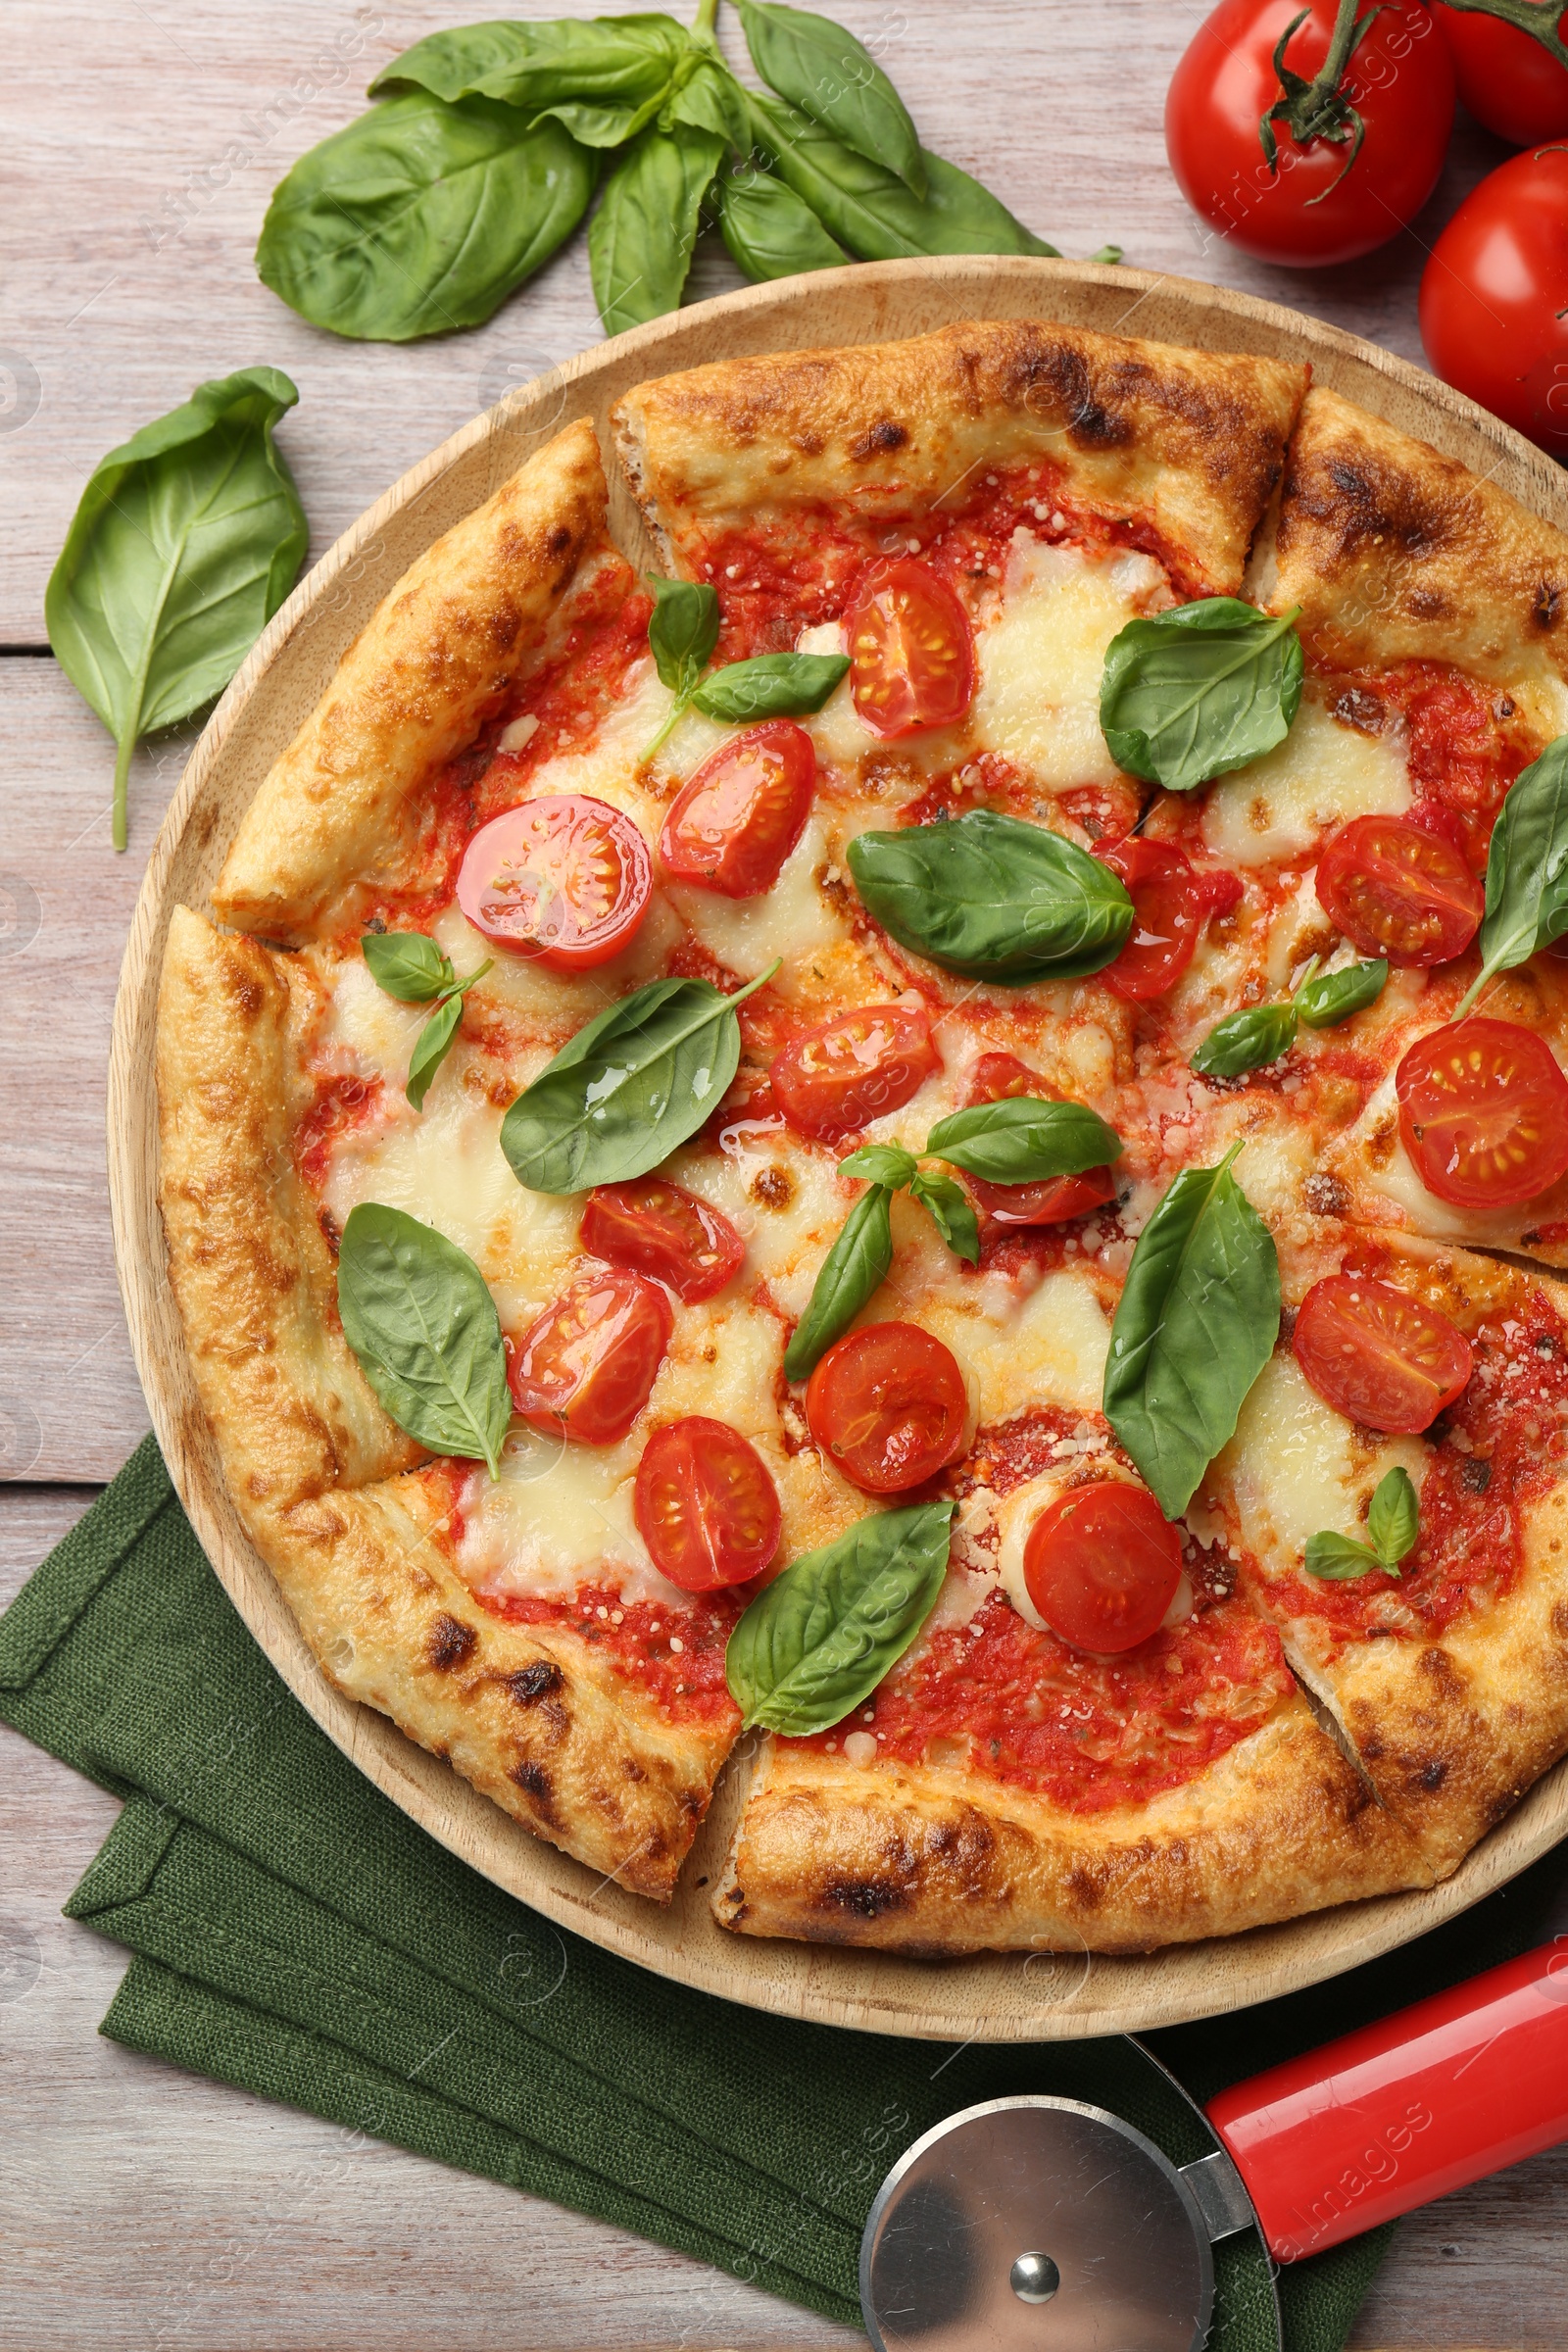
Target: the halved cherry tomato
(1378, 1355)
(853, 1069)
(1171, 902)
(911, 650)
(1053, 1198)
(563, 879)
(1484, 1113)
(1102, 1564)
(734, 824)
(705, 1505)
(1505, 79)
(651, 1226)
(1400, 890)
(587, 1364)
(888, 1403)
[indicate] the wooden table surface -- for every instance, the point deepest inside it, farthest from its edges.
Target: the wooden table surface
(139, 2205)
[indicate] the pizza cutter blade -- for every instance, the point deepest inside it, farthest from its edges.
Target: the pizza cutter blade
(1041, 2225)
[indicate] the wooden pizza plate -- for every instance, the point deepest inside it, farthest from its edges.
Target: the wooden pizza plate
(1015, 1997)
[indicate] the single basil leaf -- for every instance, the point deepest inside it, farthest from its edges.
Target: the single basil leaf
(184, 543)
(1247, 1040)
(1197, 1320)
(1394, 1518)
(628, 1088)
(534, 65)
(857, 1263)
(682, 630)
(408, 965)
(1527, 870)
(604, 125)
(1332, 998)
(421, 216)
(707, 97)
(1023, 1140)
(770, 686)
(819, 1638)
(431, 1048)
(824, 70)
(1191, 694)
(881, 1163)
(424, 1326)
(770, 232)
(1337, 1558)
(869, 210)
(949, 1206)
(640, 240)
(993, 897)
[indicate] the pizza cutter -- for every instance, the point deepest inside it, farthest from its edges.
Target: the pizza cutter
(1044, 2224)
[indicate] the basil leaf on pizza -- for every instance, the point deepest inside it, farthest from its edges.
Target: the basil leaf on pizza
(184, 543)
(408, 965)
(1248, 1040)
(1025, 1139)
(881, 1163)
(1527, 870)
(640, 239)
(768, 231)
(852, 1269)
(820, 68)
(948, 1205)
(1331, 997)
(1198, 1316)
(633, 1084)
(431, 1048)
(770, 686)
(1190, 694)
(423, 1328)
(421, 216)
(1393, 1526)
(993, 897)
(819, 1638)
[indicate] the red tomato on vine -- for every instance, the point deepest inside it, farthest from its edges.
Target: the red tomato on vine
(1494, 293)
(1309, 135)
(1508, 76)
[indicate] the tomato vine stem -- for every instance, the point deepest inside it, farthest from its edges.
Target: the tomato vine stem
(1319, 109)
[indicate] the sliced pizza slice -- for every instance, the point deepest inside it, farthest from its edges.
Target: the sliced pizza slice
(1396, 1500)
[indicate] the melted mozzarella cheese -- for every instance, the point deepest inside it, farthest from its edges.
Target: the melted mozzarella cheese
(787, 924)
(1320, 776)
(1385, 1170)
(1295, 1466)
(1040, 661)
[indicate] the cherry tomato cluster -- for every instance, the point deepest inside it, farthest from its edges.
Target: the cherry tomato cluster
(1309, 135)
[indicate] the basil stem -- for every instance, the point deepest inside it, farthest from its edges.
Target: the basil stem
(1393, 1526)
(819, 1638)
(1191, 694)
(1023, 1140)
(993, 897)
(1198, 1316)
(640, 239)
(633, 1084)
(770, 686)
(424, 1330)
(1527, 870)
(184, 543)
(821, 69)
(769, 231)
(948, 1205)
(682, 632)
(852, 1269)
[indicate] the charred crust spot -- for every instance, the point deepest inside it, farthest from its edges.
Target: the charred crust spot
(1475, 1474)
(880, 440)
(534, 1683)
(862, 1898)
(451, 1642)
(1545, 605)
(534, 1781)
(1355, 707)
(1559, 1619)
(1326, 1196)
(1432, 1776)
(632, 1769)
(772, 1188)
(560, 539)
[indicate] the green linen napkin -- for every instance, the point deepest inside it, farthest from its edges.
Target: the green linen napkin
(295, 1934)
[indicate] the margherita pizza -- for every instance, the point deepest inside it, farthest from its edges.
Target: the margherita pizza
(883, 1137)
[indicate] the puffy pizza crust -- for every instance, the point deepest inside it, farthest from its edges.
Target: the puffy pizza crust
(347, 803)
(934, 1862)
(530, 1717)
(1188, 443)
(1398, 553)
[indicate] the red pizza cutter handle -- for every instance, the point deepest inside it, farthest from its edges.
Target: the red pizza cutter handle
(1404, 2110)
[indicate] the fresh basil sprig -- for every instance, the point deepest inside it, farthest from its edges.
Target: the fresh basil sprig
(857, 1262)
(1261, 1033)
(682, 632)
(412, 968)
(633, 1084)
(818, 67)
(184, 543)
(1393, 1526)
(993, 897)
(1025, 1139)
(421, 216)
(819, 1638)
(770, 686)
(1191, 694)
(422, 1324)
(1198, 1316)
(1527, 870)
